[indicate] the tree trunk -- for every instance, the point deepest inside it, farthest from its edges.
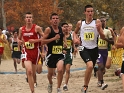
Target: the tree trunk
(3, 15)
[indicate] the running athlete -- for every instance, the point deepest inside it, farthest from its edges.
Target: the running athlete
(120, 44)
(103, 53)
(89, 29)
(68, 55)
(29, 37)
(75, 51)
(16, 49)
(2, 42)
(54, 37)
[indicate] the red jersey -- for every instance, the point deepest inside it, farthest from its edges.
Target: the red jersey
(30, 49)
(30, 35)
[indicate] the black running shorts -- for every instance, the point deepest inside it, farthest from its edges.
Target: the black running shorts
(89, 55)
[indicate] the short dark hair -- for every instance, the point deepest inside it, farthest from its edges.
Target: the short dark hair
(53, 14)
(102, 17)
(87, 6)
(64, 24)
(28, 13)
(15, 31)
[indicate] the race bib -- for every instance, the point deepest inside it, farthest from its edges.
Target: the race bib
(1, 44)
(81, 48)
(102, 43)
(89, 36)
(23, 56)
(15, 48)
(69, 44)
(57, 50)
(29, 45)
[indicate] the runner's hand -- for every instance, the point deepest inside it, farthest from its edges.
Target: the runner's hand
(31, 40)
(57, 36)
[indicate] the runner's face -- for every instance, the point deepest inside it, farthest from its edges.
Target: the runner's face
(70, 27)
(28, 18)
(89, 12)
(66, 27)
(55, 20)
(15, 34)
(103, 21)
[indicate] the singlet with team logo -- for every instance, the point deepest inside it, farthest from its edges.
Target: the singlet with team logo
(69, 44)
(30, 35)
(15, 46)
(56, 46)
(89, 34)
(1, 43)
(102, 44)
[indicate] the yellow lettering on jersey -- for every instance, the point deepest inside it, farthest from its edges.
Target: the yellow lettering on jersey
(29, 45)
(69, 44)
(16, 49)
(102, 43)
(89, 36)
(57, 50)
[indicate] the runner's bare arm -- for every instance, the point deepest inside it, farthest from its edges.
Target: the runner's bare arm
(4, 40)
(40, 32)
(46, 34)
(99, 29)
(64, 39)
(75, 36)
(20, 42)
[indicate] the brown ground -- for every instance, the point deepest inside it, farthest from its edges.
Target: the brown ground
(16, 83)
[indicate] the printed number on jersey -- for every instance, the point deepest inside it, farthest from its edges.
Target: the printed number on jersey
(29, 45)
(57, 50)
(102, 42)
(89, 36)
(15, 48)
(23, 56)
(69, 44)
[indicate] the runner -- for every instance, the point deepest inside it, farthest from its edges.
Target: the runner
(89, 29)
(2, 42)
(68, 55)
(75, 51)
(16, 49)
(29, 37)
(120, 44)
(54, 37)
(103, 53)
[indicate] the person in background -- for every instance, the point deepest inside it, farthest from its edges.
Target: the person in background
(68, 55)
(103, 53)
(120, 44)
(2, 42)
(16, 49)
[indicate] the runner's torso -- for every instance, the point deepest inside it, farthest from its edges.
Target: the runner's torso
(56, 46)
(89, 34)
(30, 35)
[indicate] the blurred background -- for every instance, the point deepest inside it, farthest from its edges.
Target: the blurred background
(12, 11)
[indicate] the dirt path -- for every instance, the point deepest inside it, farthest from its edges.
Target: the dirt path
(16, 83)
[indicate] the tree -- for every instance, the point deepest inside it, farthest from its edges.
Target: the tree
(41, 10)
(3, 15)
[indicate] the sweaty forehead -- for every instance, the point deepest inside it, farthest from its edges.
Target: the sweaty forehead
(28, 15)
(55, 16)
(89, 9)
